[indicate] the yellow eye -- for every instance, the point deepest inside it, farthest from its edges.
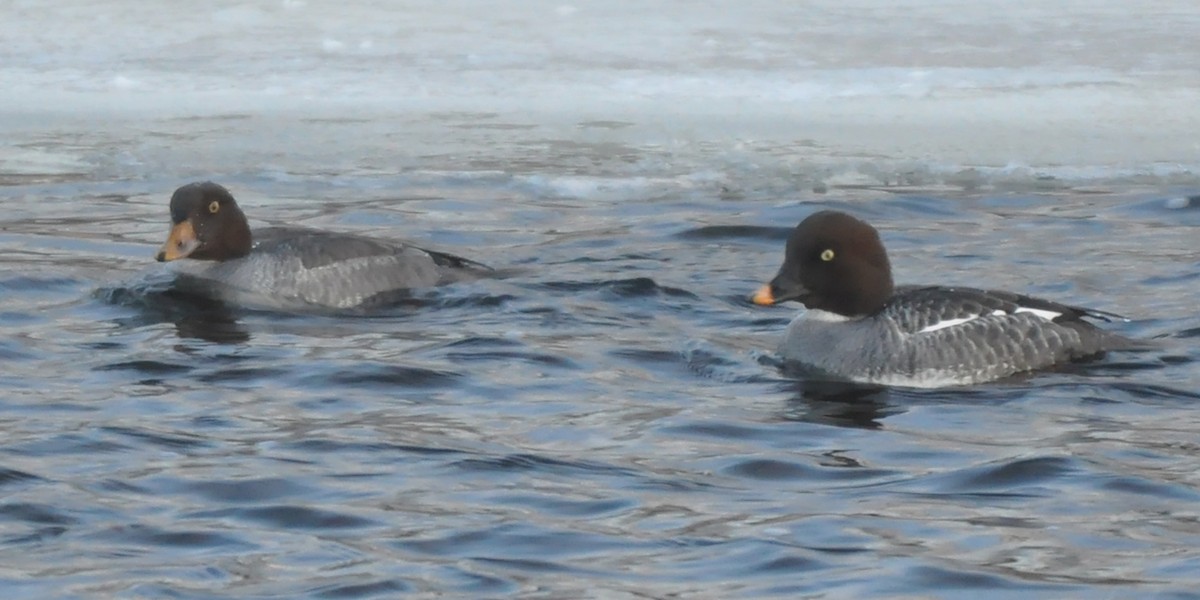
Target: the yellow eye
(827, 255)
(214, 206)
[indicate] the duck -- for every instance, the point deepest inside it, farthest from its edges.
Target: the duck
(859, 326)
(294, 266)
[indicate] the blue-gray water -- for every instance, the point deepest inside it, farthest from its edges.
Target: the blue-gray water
(608, 419)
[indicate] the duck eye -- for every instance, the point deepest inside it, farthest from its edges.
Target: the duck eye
(214, 206)
(827, 255)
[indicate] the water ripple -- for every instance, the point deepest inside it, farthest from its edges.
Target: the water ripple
(384, 588)
(780, 470)
(1004, 478)
(11, 476)
(289, 517)
(380, 376)
(143, 535)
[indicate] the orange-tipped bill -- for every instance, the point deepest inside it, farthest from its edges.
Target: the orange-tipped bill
(180, 243)
(763, 296)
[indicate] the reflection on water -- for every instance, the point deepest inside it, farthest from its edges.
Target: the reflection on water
(195, 315)
(841, 404)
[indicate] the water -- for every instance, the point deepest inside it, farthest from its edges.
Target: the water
(608, 419)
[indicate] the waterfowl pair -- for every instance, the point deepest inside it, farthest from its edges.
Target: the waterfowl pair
(858, 325)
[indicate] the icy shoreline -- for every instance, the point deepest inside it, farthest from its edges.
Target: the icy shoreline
(1091, 92)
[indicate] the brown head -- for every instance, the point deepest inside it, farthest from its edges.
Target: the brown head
(206, 224)
(833, 262)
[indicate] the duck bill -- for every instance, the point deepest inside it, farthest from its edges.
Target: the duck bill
(781, 289)
(765, 296)
(181, 243)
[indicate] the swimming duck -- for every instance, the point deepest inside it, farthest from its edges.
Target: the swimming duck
(295, 266)
(860, 327)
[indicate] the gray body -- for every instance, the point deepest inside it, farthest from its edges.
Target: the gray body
(992, 335)
(301, 267)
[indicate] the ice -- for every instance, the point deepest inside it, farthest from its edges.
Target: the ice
(40, 162)
(1080, 89)
(332, 46)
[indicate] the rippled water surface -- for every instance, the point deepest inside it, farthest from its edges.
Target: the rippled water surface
(608, 418)
(605, 421)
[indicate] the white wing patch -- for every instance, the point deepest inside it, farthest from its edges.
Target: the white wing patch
(960, 321)
(1048, 315)
(948, 323)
